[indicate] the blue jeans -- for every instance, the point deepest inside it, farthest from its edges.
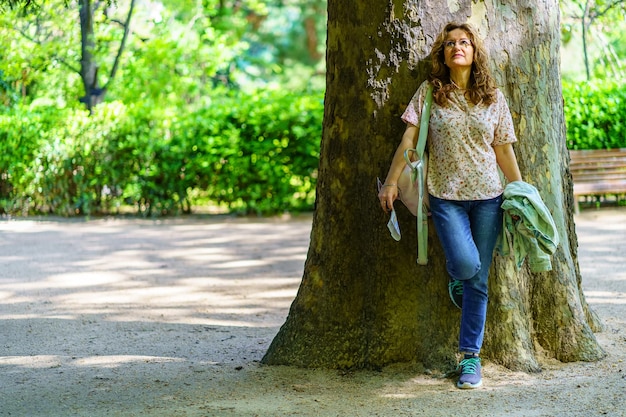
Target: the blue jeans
(468, 231)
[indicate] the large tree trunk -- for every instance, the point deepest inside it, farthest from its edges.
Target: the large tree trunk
(363, 301)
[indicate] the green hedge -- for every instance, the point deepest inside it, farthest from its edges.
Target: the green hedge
(595, 114)
(250, 153)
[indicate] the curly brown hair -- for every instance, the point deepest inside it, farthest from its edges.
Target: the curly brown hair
(481, 88)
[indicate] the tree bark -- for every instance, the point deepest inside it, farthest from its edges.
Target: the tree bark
(94, 94)
(88, 64)
(585, 26)
(363, 301)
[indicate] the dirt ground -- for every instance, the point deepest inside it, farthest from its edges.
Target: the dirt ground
(127, 317)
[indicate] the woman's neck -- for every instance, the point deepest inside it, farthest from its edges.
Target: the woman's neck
(460, 78)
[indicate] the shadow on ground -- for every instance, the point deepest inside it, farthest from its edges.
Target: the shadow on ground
(118, 317)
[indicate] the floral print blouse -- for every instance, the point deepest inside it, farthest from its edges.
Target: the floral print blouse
(461, 160)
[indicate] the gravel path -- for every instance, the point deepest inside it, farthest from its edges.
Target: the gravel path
(119, 317)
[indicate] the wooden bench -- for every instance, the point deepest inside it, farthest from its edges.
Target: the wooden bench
(598, 173)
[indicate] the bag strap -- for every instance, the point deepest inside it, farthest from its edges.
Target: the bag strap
(422, 211)
(421, 141)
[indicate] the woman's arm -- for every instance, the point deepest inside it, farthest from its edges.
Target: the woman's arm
(505, 156)
(389, 192)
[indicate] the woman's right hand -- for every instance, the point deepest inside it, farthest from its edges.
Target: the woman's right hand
(388, 192)
(387, 195)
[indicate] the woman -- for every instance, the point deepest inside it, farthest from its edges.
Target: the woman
(470, 136)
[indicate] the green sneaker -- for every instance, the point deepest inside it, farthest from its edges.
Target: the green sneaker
(470, 373)
(455, 289)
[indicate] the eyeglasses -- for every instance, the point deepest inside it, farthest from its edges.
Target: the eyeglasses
(463, 43)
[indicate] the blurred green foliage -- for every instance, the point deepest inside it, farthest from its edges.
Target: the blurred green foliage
(592, 39)
(215, 102)
(595, 114)
(252, 153)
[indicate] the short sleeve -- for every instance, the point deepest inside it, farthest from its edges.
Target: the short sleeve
(504, 132)
(413, 111)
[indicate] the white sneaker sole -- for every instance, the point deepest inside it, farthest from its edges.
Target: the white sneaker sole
(467, 385)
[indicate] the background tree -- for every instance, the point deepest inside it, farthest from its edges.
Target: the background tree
(89, 66)
(50, 30)
(180, 52)
(363, 301)
(202, 110)
(605, 17)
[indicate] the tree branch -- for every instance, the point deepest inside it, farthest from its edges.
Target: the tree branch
(609, 7)
(10, 4)
(122, 45)
(37, 42)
